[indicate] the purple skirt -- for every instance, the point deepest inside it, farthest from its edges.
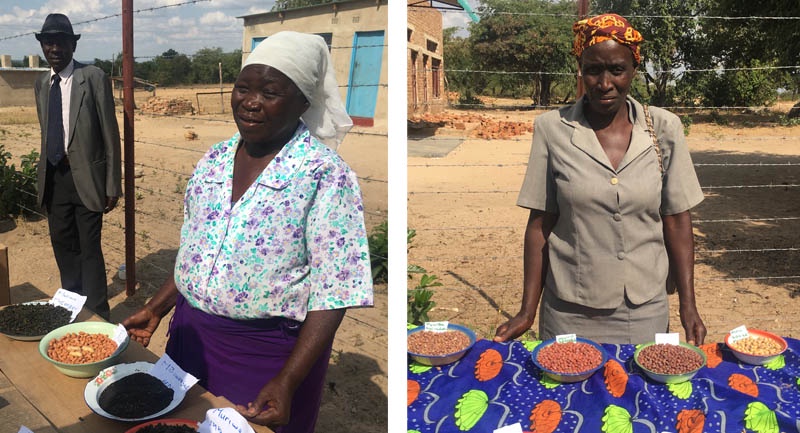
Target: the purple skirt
(236, 358)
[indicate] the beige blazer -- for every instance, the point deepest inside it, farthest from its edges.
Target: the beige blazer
(93, 146)
(608, 239)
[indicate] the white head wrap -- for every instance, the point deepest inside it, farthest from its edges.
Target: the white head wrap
(305, 59)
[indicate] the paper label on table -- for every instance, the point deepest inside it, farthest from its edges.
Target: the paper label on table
(172, 375)
(566, 338)
(120, 334)
(224, 420)
(668, 338)
(739, 333)
(436, 326)
(513, 428)
(23, 429)
(69, 300)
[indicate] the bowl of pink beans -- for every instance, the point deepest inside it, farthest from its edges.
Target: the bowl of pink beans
(569, 362)
(669, 363)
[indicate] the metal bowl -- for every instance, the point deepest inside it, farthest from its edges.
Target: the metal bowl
(569, 377)
(442, 359)
(749, 358)
(670, 378)
(83, 370)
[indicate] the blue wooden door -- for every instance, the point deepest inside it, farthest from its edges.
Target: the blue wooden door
(365, 74)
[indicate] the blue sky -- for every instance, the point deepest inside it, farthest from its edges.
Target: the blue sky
(186, 28)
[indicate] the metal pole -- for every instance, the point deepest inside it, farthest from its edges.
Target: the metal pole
(583, 11)
(130, 202)
(221, 98)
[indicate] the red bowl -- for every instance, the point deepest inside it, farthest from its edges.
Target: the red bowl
(749, 358)
(174, 421)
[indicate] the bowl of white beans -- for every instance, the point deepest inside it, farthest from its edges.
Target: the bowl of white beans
(761, 347)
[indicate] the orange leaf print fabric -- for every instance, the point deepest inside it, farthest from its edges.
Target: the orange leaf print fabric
(691, 421)
(488, 365)
(413, 391)
(545, 417)
(713, 354)
(616, 378)
(743, 384)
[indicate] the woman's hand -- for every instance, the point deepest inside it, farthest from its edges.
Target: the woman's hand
(273, 405)
(141, 325)
(693, 325)
(514, 327)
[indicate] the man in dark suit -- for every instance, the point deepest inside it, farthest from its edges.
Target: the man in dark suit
(79, 175)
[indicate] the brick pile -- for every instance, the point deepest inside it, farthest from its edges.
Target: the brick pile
(478, 126)
(168, 106)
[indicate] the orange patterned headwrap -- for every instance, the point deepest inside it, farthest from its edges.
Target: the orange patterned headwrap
(603, 28)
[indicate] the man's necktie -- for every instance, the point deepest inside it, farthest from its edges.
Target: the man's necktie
(55, 124)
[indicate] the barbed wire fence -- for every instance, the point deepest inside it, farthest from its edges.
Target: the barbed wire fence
(756, 244)
(163, 167)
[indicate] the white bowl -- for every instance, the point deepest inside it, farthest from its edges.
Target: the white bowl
(114, 373)
(749, 358)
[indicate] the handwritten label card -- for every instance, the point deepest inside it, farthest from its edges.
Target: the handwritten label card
(224, 420)
(120, 334)
(436, 326)
(671, 338)
(172, 375)
(739, 333)
(69, 300)
(566, 338)
(513, 428)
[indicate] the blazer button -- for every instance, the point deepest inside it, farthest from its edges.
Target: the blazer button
(621, 255)
(614, 181)
(617, 217)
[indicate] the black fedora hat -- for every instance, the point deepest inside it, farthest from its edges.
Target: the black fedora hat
(57, 24)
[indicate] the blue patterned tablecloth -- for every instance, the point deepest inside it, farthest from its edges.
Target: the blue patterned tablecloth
(497, 384)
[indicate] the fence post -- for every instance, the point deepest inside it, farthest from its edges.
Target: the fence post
(5, 281)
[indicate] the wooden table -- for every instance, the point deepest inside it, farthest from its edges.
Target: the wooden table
(37, 393)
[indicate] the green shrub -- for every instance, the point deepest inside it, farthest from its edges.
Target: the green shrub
(17, 188)
(379, 252)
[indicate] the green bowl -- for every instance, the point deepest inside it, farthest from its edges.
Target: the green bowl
(670, 378)
(83, 370)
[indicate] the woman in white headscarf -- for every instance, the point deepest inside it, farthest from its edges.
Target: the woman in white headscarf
(273, 245)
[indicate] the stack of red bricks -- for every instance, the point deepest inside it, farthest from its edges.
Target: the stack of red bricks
(168, 106)
(479, 126)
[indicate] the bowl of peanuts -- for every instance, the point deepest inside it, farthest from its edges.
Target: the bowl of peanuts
(82, 349)
(669, 363)
(569, 362)
(439, 348)
(759, 348)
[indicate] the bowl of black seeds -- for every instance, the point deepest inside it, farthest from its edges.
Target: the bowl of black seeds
(30, 321)
(166, 426)
(127, 392)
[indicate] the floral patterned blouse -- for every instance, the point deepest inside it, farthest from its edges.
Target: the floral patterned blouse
(294, 242)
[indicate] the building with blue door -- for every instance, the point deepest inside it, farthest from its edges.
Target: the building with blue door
(356, 32)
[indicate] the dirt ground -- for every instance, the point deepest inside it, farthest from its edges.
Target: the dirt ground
(469, 230)
(166, 149)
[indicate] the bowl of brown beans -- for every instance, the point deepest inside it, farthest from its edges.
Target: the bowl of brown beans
(759, 348)
(569, 362)
(439, 348)
(669, 363)
(82, 349)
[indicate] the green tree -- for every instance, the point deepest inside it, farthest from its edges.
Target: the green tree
(172, 68)
(206, 65)
(672, 42)
(519, 37)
